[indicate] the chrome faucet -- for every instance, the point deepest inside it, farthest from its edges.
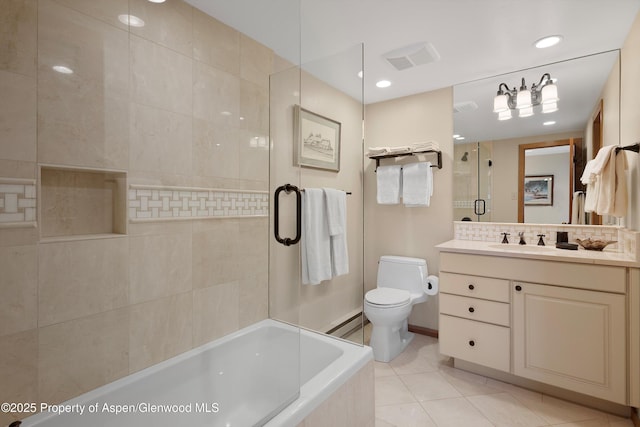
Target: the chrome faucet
(540, 240)
(504, 238)
(521, 235)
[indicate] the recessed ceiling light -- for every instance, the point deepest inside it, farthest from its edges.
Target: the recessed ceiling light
(62, 69)
(383, 83)
(459, 138)
(456, 136)
(549, 123)
(548, 41)
(132, 21)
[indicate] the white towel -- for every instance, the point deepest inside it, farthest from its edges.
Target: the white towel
(315, 242)
(612, 189)
(586, 174)
(577, 208)
(389, 182)
(417, 147)
(606, 183)
(417, 184)
(336, 207)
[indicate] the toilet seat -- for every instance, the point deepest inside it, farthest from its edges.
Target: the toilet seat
(388, 297)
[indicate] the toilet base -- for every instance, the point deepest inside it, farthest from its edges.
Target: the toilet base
(387, 341)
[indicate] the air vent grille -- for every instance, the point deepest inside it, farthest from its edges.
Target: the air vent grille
(412, 56)
(459, 107)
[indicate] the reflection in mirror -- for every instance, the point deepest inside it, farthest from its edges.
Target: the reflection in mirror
(545, 185)
(487, 185)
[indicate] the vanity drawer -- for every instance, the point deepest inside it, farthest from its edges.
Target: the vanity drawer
(475, 309)
(474, 286)
(476, 342)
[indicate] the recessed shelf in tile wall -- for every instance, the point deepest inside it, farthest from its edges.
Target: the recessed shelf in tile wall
(81, 202)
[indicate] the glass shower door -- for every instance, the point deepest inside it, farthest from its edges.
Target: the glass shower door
(317, 143)
(473, 181)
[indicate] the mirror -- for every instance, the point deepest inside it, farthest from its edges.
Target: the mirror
(489, 180)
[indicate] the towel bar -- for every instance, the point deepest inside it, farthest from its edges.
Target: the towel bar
(389, 156)
(634, 147)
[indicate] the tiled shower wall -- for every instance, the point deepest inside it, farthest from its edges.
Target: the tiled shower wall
(176, 104)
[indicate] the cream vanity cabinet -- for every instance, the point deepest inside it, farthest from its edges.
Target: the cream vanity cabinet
(558, 323)
(571, 338)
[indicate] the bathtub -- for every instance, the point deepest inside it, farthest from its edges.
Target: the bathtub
(248, 378)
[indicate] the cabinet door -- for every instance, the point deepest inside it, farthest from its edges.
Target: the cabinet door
(571, 338)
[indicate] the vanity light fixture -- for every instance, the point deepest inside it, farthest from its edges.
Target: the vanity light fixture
(383, 83)
(549, 123)
(544, 93)
(157, 1)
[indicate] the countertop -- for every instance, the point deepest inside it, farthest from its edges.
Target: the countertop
(548, 253)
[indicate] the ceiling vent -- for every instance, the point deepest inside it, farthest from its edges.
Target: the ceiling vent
(464, 106)
(412, 56)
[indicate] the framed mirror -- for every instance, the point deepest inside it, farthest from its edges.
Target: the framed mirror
(489, 179)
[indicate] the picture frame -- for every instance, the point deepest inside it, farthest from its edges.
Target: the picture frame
(538, 190)
(316, 140)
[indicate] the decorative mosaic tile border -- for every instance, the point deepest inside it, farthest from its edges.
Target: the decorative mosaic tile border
(17, 202)
(490, 232)
(159, 203)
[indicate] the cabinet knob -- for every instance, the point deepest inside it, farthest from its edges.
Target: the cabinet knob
(472, 343)
(518, 288)
(471, 287)
(471, 309)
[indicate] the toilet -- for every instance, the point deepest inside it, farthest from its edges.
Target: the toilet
(402, 282)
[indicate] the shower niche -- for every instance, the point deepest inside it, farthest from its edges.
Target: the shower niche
(77, 203)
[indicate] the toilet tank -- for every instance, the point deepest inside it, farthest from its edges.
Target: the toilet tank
(402, 273)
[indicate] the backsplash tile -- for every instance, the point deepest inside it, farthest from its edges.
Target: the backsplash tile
(17, 202)
(491, 232)
(153, 203)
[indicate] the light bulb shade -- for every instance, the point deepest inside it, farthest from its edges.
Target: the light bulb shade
(504, 115)
(549, 107)
(526, 112)
(524, 99)
(500, 103)
(550, 94)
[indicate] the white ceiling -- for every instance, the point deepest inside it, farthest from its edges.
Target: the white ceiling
(475, 38)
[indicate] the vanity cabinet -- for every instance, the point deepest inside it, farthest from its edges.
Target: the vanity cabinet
(557, 323)
(570, 338)
(474, 319)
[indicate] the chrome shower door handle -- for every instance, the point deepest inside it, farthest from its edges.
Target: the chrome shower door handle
(287, 188)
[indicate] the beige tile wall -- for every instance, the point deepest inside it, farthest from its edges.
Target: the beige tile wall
(180, 102)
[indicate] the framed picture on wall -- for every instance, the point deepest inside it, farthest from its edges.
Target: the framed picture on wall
(316, 140)
(538, 190)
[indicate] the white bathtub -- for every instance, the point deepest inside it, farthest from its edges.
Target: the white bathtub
(247, 378)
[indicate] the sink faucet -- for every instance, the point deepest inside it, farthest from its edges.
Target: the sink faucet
(540, 241)
(522, 242)
(504, 238)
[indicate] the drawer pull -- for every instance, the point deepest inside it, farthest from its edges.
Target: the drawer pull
(471, 309)
(518, 288)
(472, 343)
(471, 287)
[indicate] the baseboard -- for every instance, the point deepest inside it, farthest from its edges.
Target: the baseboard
(635, 418)
(423, 331)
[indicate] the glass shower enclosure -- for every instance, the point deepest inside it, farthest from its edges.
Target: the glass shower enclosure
(472, 181)
(316, 141)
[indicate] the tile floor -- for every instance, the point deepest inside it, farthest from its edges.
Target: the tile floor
(421, 388)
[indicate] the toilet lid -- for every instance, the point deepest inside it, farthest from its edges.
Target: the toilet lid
(388, 296)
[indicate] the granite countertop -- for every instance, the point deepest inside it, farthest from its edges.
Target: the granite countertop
(609, 256)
